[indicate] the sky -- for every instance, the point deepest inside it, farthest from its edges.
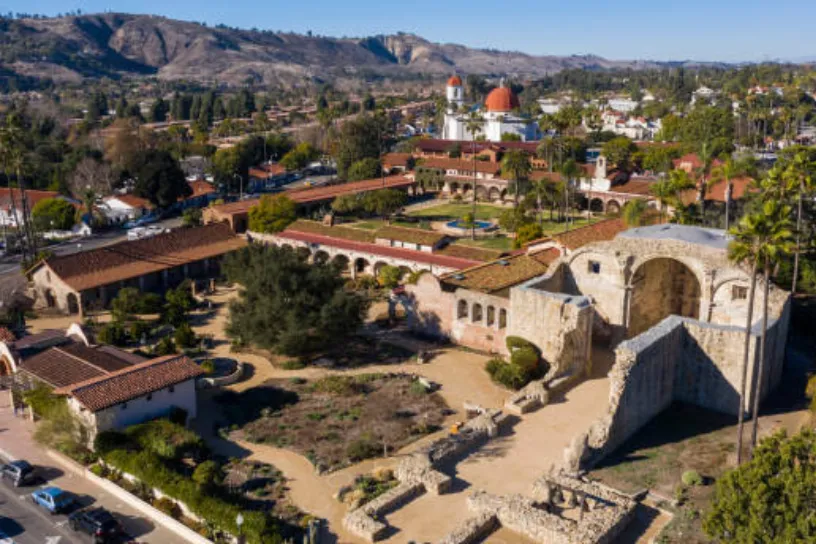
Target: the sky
(713, 30)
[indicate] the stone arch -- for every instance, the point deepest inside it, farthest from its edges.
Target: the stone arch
(481, 193)
(494, 194)
(613, 207)
(596, 205)
(72, 303)
(340, 261)
(661, 287)
(454, 187)
(476, 313)
(50, 300)
(462, 309)
(360, 265)
(491, 316)
(320, 257)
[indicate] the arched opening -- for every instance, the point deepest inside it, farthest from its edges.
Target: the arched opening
(287, 247)
(491, 316)
(6, 369)
(454, 188)
(613, 207)
(481, 193)
(467, 189)
(320, 257)
(50, 301)
(596, 205)
(660, 288)
(360, 265)
(494, 194)
(477, 313)
(73, 303)
(341, 262)
(462, 309)
(303, 253)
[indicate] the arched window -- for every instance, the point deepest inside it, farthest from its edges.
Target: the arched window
(491, 316)
(462, 310)
(477, 313)
(502, 318)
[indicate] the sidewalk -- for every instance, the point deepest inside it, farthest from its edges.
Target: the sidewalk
(16, 441)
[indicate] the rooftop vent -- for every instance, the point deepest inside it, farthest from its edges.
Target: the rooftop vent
(504, 262)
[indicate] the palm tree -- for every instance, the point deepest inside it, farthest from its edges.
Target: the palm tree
(759, 239)
(634, 212)
(516, 164)
(570, 170)
(726, 172)
(801, 178)
(473, 124)
(15, 162)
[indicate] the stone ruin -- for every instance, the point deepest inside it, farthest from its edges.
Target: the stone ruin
(418, 473)
(561, 510)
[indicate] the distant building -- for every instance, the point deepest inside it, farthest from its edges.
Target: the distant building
(123, 208)
(11, 203)
(623, 104)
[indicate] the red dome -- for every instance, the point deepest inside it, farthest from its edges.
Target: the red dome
(501, 99)
(455, 81)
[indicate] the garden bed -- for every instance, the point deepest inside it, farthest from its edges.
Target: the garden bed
(336, 420)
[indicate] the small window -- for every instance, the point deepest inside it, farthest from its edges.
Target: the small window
(149, 396)
(594, 267)
(123, 406)
(739, 292)
(419, 247)
(171, 389)
(48, 277)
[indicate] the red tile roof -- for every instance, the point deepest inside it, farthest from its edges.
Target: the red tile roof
(132, 382)
(131, 259)
(633, 187)
(265, 171)
(200, 188)
(390, 160)
(483, 167)
(597, 232)
(32, 197)
(73, 363)
(497, 276)
(6, 335)
(429, 145)
(385, 251)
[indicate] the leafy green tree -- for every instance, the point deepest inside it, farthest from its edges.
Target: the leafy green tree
(159, 110)
(287, 304)
(389, 276)
(634, 213)
(619, 151)
(368, 168)
(272, 214)
(516, 165)
(53, 214)
(383, 202)
(771, 498)
(192, 217)
(346, 204)
(299, 157)
(358, 139)
(184, 336)
(160, 179)
(208, 474)
(527, 233)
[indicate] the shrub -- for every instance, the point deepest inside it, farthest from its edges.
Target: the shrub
(113, 333)
(507, 374)
(166, 346)
(517, 342)
(208, 474)
(293, 364)
(168, 506)
(137, 329)
(417, 388)
(208, 366)
(184, 336)
(526, 358)
(692, 478)
(362, 448)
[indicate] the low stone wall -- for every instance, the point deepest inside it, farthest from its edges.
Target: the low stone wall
(473, 530)
(235, 377)
(364, 521)
(160, 518)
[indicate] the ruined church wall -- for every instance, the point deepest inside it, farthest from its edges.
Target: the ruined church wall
(598, 275)
(559, 325)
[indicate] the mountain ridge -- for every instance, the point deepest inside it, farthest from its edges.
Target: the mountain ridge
(115, 45)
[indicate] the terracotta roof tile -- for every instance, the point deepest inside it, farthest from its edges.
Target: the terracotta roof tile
(597, 232)
(131, 259)
(412, 236)
(469, 252)
(633, 187)
(132, 382)
(396, 159)
(498, 275)
(6, 335)
(199, 188)
(32, 197)
(73, 363)
(343, 233)
(430, 145)
(483, 167)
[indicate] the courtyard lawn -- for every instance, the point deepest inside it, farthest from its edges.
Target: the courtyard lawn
(374, 224)
(499, 243)
(457, 211)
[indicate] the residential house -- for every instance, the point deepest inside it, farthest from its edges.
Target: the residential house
(119, 209)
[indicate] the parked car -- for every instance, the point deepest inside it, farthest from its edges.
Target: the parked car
(19, 472)
(97, 522)
(53, 499)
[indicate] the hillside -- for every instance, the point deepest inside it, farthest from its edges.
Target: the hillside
(68, 49)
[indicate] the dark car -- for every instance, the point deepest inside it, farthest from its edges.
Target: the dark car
(97, 522)
(19, 472)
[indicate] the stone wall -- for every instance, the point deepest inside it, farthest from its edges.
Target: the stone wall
(559, 325)
(685, 360)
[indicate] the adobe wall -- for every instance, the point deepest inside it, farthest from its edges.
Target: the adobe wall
(683, 360)
(559, 325)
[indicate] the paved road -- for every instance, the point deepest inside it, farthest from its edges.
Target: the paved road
(24, 523)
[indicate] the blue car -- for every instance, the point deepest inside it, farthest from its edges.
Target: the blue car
(53, 499)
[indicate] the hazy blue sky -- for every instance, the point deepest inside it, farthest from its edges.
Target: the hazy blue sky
(731, 30)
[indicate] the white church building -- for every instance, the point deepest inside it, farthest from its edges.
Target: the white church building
(495, 118)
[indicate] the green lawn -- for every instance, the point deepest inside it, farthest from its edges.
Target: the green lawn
(457, 211)
(374, 224)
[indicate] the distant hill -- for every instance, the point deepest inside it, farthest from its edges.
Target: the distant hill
(69, 49)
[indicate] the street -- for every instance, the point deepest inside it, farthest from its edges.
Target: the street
(24, 523)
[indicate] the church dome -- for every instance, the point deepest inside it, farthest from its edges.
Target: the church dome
(455, 81)
(501, 99)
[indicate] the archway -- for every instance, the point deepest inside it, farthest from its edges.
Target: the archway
(613, 207)
(50, 301)
(596, 205)
(662, 287)
(320, 257)
(494, 194)
(454, 188)
(73, 303)
(360, 265)
(481, 193)
(303, 253)
(341, 262)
